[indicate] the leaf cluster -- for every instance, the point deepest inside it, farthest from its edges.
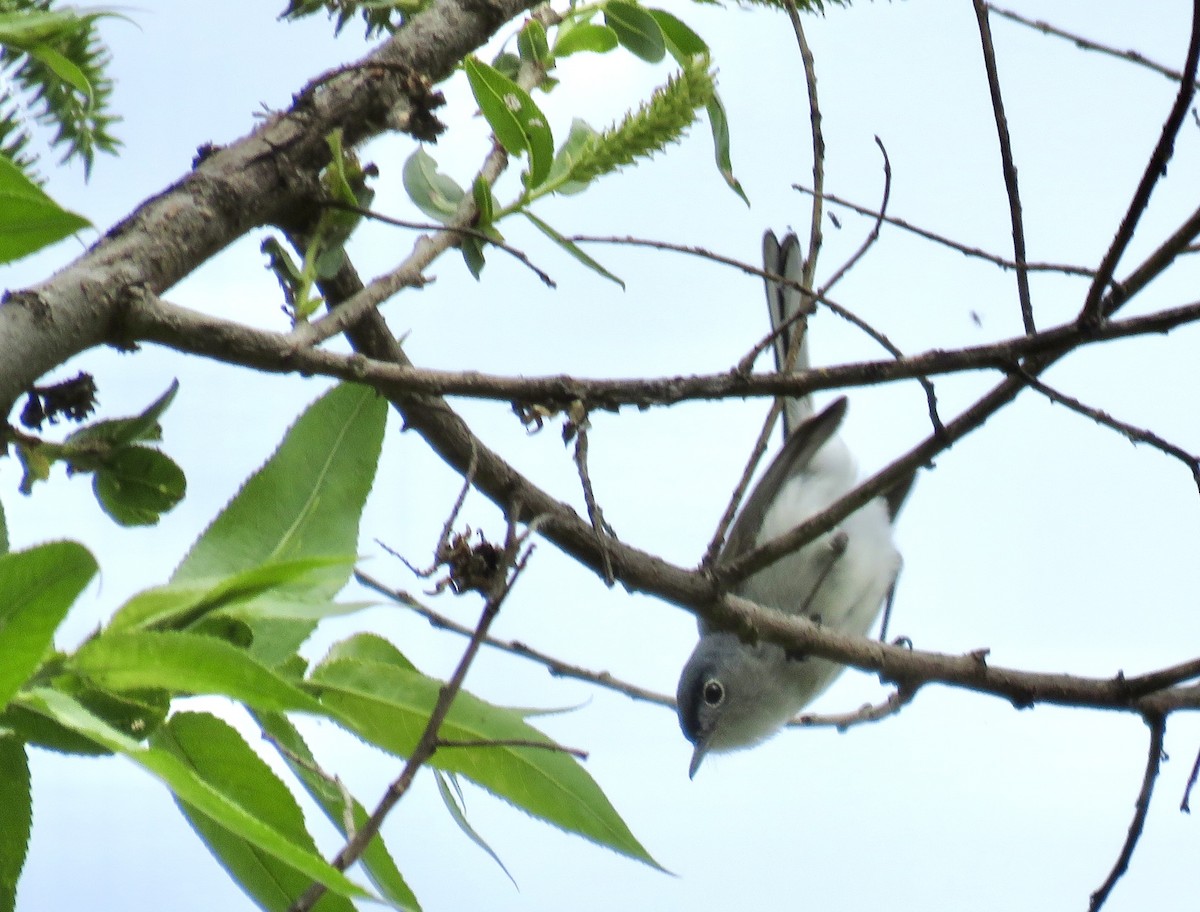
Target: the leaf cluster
(230, 623)
(134, 483)
(56, 68)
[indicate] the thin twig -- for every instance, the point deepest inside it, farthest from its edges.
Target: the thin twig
(436, 226)
(426, 249)
(1007, 166)
(809, 270)
(896, 701)
(1158, 726)
(1093, 306)
(1134, 434)
(974, 252)
(1185, 805)
(557, 667)
(873, 234)
(604, 532)
(1087, 44)
(507, 572)
(513, 742)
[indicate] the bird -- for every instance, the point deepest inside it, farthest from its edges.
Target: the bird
(734, 694)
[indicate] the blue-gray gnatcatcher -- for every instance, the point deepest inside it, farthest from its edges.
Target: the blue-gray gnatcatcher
(734, 694)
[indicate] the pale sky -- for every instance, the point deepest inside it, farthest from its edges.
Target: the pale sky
(1049, 540)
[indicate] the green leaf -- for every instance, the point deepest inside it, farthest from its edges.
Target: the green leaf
(29, 219)
(219, 756)
(585, 36)
(304, 503)
(186, 663)
(177, 605)
(636, 30)
(571, 247)
(63, 68)
(531, 42)
(576, 145)
(517, 121)
(136, 714)
(454, 804)
(481, 190)
(137, 485)
(368, 647)
(17, 819)
(390, 706)
(37, 588)
(338, 805)
(683, 43)
(189, 787)
(3, 532)
(98, 439)
(431, 191)
(719, 123)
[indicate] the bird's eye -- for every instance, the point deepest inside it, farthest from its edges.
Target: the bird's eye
(714, 693)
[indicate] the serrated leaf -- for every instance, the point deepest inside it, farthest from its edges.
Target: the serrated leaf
(519, 124)
(219, 756)
(338, 804)
(137, 484)
(368, 647)
(29, 219)
(571, 247)
(186, 785)
(585, 36)
(176, 605)
(305, 502)
(17, 818)
(136, 714)
(390, 706)
(431, 191)
(636, 30)
(37, 588)
(186, 663)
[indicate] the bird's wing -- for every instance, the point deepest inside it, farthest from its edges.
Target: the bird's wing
(796, 454)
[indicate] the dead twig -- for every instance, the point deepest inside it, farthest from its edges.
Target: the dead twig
(1094, 306)
(1087, 44)
(1008, 168)
(1158, 726)
(1129, 431)
(974, 252)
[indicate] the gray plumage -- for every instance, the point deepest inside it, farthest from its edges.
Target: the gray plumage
(734, 694)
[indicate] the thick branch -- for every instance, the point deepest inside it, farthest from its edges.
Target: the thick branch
(265, 177)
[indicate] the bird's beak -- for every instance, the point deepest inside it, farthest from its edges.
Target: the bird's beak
(697, 758)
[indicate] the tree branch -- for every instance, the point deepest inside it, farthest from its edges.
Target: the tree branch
(1007, 166)
(269, 176)
(1158, 726)
(1093, 306)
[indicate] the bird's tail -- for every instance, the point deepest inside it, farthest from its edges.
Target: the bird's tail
(789, 310)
